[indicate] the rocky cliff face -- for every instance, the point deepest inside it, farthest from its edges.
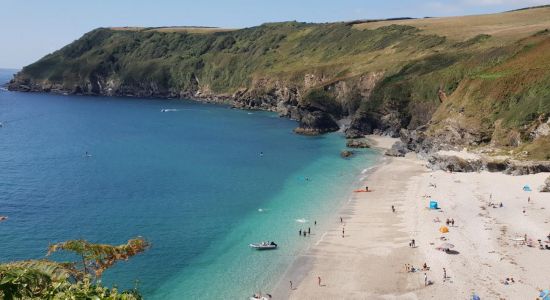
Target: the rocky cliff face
(395, 80)
(264, 94)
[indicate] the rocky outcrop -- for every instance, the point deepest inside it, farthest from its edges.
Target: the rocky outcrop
(515, 167)
(357, 143)
(467, 162)
(398, 149)
(316, 122)
(545, 188)
(454, 163)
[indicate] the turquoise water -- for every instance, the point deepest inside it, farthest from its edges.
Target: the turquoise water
(190, 180)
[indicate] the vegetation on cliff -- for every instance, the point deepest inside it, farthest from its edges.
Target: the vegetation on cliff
(475, 80)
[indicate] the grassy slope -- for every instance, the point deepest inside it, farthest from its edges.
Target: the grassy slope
(493, 68)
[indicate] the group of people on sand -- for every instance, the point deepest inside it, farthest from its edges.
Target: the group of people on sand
(411, 269)
(450, 222)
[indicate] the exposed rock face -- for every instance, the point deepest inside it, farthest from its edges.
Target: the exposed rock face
(454, 163)
(527, 167)
(317, 122)
(474, 163)
(357, 143)
(398, 149)
(545, 188)
(346, 153)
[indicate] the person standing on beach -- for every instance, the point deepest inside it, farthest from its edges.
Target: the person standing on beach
(315, 223)
(341, 220)
(425, 279)
(291, 285)
(319, 280)
(393, 208)
(343, 231)
(444, 274)
(309, 230)
(300, 232)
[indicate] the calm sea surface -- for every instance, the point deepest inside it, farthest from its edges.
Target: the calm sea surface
(190, 180)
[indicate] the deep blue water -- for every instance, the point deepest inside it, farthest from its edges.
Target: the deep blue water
(190, 180)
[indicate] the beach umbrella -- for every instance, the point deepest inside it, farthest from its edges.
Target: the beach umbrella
(475, 297)
(545, 295)
(443, 229)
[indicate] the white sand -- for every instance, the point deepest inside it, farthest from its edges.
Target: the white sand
(368, 263)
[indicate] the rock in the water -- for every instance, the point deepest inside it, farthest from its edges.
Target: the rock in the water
(357, 143)
(346, 153)
(545, 188)
(398, 149)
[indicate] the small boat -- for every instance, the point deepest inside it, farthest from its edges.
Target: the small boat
(264, 246)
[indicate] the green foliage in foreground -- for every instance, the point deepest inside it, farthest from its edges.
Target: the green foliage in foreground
(45, 279)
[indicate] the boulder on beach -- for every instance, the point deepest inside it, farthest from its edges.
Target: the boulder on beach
(545, 188)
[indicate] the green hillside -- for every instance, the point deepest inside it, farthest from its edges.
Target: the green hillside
(475, 80)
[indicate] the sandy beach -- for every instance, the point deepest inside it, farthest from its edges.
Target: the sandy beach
(364, 256)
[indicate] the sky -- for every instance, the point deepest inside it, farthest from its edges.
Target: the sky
(30, 29)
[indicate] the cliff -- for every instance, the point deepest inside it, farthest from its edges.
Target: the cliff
(475, 81)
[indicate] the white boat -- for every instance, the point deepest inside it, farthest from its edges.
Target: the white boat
(264, 246)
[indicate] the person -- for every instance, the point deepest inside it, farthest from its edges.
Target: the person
(491, 196)
(342, 231)
(319, 280)
(453, 222)
(315, 223)
(261, 154)
(309, 230)
(300, 232)
(341, 220)
(444, 274)
(393, 208)
(305, 233)
(367, 188)
(413, 243)
(291, 285)
(524, 211)
(529, 199)
(501, 205)
(425, 279)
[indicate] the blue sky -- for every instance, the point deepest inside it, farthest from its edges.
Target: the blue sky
(30, 29)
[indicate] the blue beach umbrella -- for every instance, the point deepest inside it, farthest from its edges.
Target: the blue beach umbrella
(475, 297)
(545, 295)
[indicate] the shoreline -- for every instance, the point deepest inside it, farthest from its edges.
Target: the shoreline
(369, 262)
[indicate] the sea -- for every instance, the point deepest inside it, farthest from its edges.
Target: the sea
(199, 181)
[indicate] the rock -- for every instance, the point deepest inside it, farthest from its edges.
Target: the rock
(545, 188)
(516, 167)
(353, 134)
(346, 153)
(496, 165)
(454, 163)
(398, 149)
(316, 122)
(357, 143)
